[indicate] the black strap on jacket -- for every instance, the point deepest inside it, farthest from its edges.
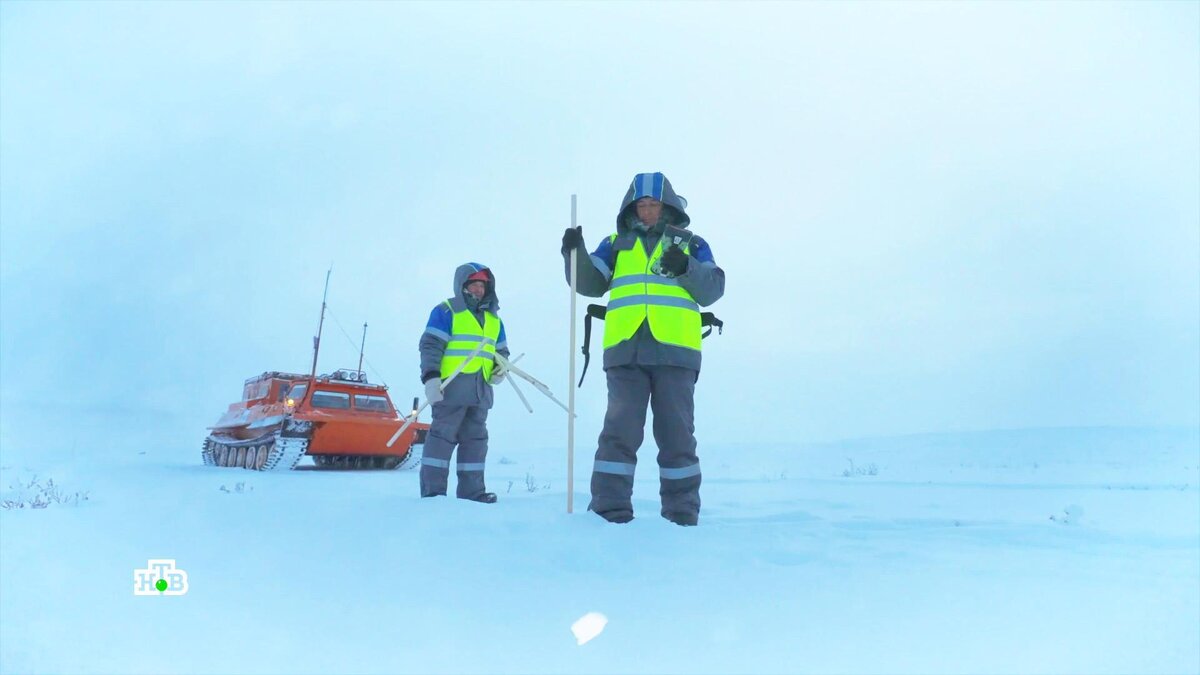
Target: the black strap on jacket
(707, 319)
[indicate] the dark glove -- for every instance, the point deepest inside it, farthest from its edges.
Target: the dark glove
(674, 261)
(572, 239)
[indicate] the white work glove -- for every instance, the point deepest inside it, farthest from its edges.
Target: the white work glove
(433, 391)
(498, 376)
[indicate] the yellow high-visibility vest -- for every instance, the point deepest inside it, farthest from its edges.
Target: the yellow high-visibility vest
(465, 334)
(636, 294)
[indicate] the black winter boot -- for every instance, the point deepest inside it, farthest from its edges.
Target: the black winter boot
(680, 518)
(485, 498)
(617, 516)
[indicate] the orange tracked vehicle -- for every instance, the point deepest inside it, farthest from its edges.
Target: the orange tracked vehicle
(338, 419)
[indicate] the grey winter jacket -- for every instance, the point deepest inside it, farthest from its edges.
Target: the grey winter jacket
(704, 280)
(467, 388)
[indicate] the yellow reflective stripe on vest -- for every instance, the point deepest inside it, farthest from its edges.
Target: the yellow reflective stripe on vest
(635, 295)
(465, 336)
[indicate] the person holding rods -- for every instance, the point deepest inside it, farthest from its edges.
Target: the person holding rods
(459, 346)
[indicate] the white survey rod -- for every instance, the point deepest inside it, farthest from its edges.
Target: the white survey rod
(538, 384)
(513, 381)
(571, 381)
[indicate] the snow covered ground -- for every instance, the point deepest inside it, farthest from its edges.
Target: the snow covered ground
(1064, 550)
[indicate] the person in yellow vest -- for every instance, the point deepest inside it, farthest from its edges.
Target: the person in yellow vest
(455, 329)
(658, 275)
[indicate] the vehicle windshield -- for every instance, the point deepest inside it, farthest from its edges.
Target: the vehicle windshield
(372, 403)
(297, 393)
(331, 399)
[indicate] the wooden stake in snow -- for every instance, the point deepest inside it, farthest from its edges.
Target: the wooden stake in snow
(571, 381)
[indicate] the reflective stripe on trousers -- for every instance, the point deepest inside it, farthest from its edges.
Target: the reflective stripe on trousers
(665, 473)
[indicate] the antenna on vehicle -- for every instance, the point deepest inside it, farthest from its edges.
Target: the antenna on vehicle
(320, 325)
(360, 352)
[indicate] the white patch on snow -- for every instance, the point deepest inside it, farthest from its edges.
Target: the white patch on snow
(588, 626)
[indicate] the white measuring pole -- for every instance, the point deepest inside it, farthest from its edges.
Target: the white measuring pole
(538, 384)
(571, 383)
(513, 380)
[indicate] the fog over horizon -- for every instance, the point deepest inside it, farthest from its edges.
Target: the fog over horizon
(932, 217)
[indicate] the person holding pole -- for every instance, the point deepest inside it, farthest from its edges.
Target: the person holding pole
(658, 275)
(450, 351)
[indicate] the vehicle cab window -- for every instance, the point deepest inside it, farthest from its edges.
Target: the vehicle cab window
(331, 399)
(371, 403)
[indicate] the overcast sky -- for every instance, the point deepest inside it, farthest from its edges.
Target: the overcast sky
(932, 217)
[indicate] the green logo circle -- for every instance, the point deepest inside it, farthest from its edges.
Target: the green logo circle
(161, 585)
